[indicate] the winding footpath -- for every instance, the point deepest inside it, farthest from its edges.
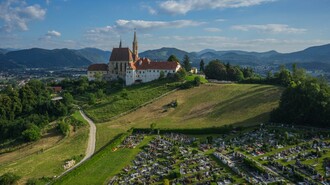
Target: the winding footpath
(91, 143)
(91, 139)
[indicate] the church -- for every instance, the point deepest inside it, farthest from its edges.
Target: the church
(126, 64)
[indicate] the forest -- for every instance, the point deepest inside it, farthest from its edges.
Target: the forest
(26, 111)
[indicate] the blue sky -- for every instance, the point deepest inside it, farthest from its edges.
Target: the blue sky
(191, 25)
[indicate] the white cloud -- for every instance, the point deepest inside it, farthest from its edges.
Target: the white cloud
(53, 33)
(212, 29)
(50, 34)
(17, 14)
(184, 6)
(141, 24)
(269, 28)
(127, 25)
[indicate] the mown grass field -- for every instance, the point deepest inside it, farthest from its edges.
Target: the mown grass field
(210, 105)
(45, 157)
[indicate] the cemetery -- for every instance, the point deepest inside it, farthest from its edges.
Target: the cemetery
(258, 155)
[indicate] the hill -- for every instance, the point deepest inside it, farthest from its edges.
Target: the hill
(94, 55)
(41, 58)
(162, 54)
(316, 57)
(205, 106)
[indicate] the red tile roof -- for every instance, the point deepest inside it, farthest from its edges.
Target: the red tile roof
(98, 67)
(121, 54)
(131, 65)
(145, 63)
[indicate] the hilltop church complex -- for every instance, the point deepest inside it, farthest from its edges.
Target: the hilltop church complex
(127, 65)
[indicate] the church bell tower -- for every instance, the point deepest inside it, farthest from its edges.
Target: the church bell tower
(135, 47)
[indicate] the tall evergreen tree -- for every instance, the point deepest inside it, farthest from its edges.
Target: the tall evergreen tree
(201, 66)
(186, 63)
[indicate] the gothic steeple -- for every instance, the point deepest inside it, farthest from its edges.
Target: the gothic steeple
(135, 46)
(120, 43)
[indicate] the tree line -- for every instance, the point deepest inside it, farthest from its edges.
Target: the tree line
(25, 111)
(305, 100)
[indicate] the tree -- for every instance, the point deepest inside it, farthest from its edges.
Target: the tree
(67, 98)
(32, 133)
(98, 76)
(9, 178)
(161, 75)
(63, 127)
(91, 98)
(180, 75)
(305, 102)
(197, 81)
(173, 58)
(186, 63)
(201, 66)
(216, 70)
(100, 93)
(248, 72)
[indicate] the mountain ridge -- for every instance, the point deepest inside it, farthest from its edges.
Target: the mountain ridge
(315, 56)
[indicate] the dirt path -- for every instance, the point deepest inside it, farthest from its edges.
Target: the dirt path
(91, 143)
(92, 138)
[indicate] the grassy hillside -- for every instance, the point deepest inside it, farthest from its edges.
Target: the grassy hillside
(103, 165)
(45, 157)
(129, 98)
(205, 106)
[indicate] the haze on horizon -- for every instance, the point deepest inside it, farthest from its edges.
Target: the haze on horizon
(191, 25)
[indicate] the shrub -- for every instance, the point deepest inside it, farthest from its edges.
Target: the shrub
(32, 133)
(197, 81)
(9, 178)
(63, 127)
(32, 181)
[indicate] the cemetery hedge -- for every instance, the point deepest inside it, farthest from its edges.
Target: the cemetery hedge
(192, 131)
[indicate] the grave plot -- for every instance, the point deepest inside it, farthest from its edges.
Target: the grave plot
(172, 157)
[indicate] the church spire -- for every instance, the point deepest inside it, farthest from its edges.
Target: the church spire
(135, 46)
(120, 43)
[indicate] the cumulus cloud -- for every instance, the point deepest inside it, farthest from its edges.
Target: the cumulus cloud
(184, 6)
(53, 33)
(50, 34)
(123, 25)
(212, 29)
(269, 28)
(17, 14)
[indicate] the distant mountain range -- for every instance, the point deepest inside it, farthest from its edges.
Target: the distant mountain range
(313, 58)
(43, 58)
(317, 57)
